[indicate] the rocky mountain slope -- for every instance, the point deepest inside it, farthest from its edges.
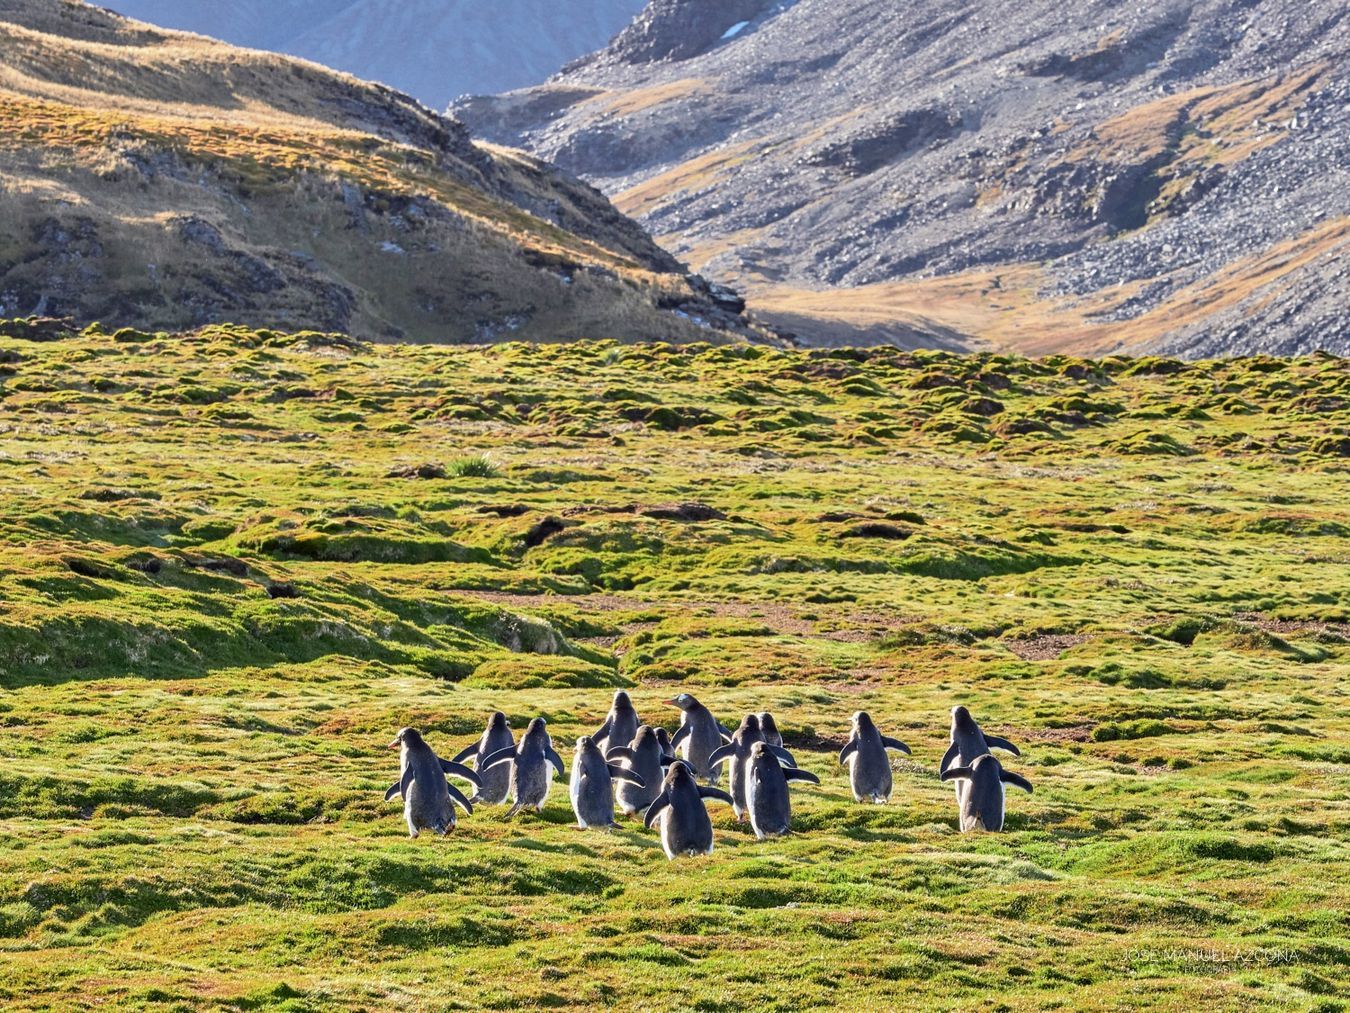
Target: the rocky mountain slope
(432, 49)
(162, 180)
(1090, 177)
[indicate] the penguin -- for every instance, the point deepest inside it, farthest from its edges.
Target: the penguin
(663, 737)
(769, 727)
(497, 735)
(981, 807)
(647, 760)
(737, 752)
(869, 768)
(685, 826)
(766, 791)
(968, 742)
(620, 726)
(592, 785)
(530, 761)
(428, 798)
(699, 734)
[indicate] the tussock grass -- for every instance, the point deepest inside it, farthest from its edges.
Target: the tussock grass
(194, 759)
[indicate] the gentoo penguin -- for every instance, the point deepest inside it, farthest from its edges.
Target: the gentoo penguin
(699, 734)
(766, 790)
(737, 753)
(530, 762)
(769, 728)
(647, 760)
(968, 742)
(620, 726)
(592, 785)
(869, 768)
(985, 795)
(685, 826)
(428, 798)
(497, 736)
(663, 737)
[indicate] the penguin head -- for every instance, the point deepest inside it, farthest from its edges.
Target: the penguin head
(961, 719)
(645, 735)
(497, 722)
(862, 721)
(584, 743)
(767, 724)
(750, 724)
(622, 701)
(684, 701)
(663, 737)
(408, 737)
(986, 760)
(760, 751)
(536, 728)
(679, 775)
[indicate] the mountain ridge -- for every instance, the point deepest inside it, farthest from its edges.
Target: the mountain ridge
(433, 49)
(1163, 179)
(165, 181)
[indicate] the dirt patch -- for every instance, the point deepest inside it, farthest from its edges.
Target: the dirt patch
(1045, 648)
(426, 471)
(877, 529)
(1292, 627)
(688, 512)
(1075, 733)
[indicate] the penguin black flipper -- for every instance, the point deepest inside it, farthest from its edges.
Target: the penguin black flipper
(848, 750)
(681, 734)
(726, 732)
(459, 798)
(505, 755)
(721, 753)
(783, 755)
(465, 753)
(1008, 777)
(948, 756)
(891, 743)
(621, 753)
(994, 742)
(624, 774)
(459, 770)
(956, 773)
(667, 759)
(394, 789)
(797, 774)
(706, 791)
(554, 759)
(602, 732)
(654, 810)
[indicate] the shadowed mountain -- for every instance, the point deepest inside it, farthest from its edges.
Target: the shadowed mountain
(1089, 177)
(164, 180)
(431, 49)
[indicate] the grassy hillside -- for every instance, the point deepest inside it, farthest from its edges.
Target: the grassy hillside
(235, 562)
(163, 180)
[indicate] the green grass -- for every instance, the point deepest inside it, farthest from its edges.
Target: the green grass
(231, 573)
(477, 466)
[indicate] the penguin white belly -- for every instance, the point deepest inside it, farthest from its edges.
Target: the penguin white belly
(668, 844)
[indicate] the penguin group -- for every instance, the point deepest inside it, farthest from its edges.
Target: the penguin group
(646, 772)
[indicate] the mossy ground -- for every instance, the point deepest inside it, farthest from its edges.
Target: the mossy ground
(236, 562)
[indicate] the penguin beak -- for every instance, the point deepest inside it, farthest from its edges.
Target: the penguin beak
(670, 703)
(394, 744)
